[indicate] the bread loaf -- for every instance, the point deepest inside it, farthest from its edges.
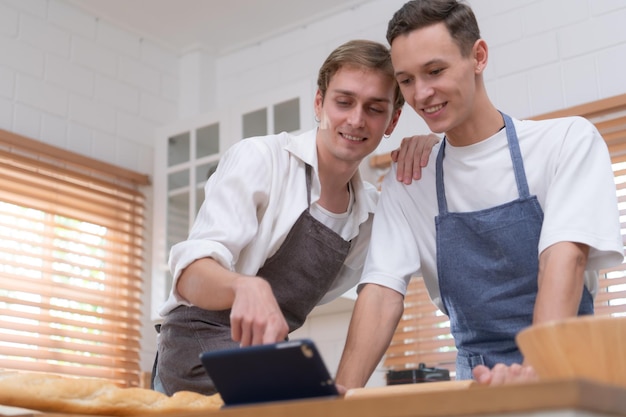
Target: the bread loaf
(54, 393)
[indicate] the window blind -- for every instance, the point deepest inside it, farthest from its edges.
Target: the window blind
(71, 259)
(423, 334)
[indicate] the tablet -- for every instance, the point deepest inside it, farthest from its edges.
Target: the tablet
(275, 372)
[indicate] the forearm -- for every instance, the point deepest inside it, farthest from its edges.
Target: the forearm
(208, 285)
(255, 316)
(560, 281)
(374, 320)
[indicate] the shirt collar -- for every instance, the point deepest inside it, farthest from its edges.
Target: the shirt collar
(303, 146)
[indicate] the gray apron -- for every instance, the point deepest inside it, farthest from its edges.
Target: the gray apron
(300, 274)
(487, 267)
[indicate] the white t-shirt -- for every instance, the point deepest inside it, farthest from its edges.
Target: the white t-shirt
(252, 201)
(567, 167)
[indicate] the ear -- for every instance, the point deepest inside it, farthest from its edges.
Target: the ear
(480, 53)
(318, 104)
(393, 122)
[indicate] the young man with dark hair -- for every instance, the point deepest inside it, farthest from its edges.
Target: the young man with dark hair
(509, 223)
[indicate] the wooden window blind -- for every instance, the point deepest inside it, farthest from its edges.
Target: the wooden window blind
(71, 259)
(423, 334)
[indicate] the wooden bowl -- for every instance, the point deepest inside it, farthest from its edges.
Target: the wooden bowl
(588, 347)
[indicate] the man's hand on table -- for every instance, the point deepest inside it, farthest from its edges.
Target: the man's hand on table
(502, 374)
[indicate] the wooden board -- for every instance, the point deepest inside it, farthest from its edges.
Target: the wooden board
(408, 389)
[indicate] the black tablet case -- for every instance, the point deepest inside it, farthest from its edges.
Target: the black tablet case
(275, 372)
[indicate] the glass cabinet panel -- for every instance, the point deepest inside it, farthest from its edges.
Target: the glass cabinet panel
(176, 180)
(177, 224)
(177, 207)
(255, 123)
(178, 150)
(208, 140)
(200, 197)
(177, 218)
(203, 172)
(287, 116)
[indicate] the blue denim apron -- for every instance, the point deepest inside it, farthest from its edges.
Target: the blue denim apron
(300, 273)
(487, 265)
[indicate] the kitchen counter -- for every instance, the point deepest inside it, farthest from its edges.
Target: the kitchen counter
(566, 398)
(547, 398)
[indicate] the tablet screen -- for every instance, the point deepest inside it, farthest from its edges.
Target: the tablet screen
(275, 372)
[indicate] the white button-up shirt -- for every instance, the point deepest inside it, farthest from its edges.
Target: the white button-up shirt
(252, 201)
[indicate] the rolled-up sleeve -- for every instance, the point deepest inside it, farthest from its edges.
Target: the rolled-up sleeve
(229, 216)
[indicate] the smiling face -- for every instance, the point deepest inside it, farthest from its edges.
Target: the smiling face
(436, 80)
(354, 114)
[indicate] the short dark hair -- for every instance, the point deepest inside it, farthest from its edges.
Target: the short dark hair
(359, 54)
(457, 16)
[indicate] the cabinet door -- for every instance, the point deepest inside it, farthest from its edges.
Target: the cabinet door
(185, 157)
(288, 109)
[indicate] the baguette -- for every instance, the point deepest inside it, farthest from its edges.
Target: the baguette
(60, 394)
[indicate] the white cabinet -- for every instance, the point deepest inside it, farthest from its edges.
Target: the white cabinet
(188, 152)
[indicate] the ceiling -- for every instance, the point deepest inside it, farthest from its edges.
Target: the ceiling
(219, 26)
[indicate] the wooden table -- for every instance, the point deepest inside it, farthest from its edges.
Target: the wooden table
(578, 398)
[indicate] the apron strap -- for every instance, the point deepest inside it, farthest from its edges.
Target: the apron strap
(516, 156)
(441, 193)
(308, 186)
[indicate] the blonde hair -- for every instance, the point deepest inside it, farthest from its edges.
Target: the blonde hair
(359, 54)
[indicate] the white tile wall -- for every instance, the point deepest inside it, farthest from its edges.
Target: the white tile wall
(136, 129)
(611, 69)
(118, 40)
(8, 20)
(71, 19)
(27, 120)
(524, 54)
(546, 88)
(593, 34)
(579, 80)
(155, 108)
(158, 59)
(48, 38)
(79, 138)
(7, 82)
(84, 84)
(6, 114)
(35, 7)
(117, 94)
(105, 146)
(93, 113)
(89, 54)
(547, 16)
(35, 92)
(54, 129)
(139, 74)
(21, 56)
(599, 7)
(69, 76)
(507, 26)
